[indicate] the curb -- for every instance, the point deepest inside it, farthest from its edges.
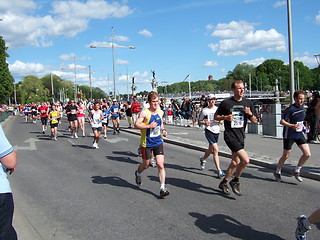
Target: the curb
(254, 161)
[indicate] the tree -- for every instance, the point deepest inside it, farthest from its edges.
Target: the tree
(6, 80)
(33, 90)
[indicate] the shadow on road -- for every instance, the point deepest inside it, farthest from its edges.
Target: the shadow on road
(119, 182)
(219, 223)
(130, 154)
(186, 184)
(122, 159)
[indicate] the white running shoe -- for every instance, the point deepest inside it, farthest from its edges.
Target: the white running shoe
(76, 135)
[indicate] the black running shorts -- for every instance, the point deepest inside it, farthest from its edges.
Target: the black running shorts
(146, 152)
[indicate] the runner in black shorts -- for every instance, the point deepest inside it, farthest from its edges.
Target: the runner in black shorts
(71, 111)
(235, 112)
(292, 121)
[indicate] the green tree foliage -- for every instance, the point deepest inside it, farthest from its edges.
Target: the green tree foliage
(6, 80)
(33, 90)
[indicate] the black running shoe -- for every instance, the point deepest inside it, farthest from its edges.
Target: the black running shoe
(138, 179)
(235, 186)
(164, 192)
(118, 130)
(224, 188)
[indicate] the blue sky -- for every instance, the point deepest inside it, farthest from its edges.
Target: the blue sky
(172, 37)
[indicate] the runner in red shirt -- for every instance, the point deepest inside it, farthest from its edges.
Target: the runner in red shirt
(43, 110)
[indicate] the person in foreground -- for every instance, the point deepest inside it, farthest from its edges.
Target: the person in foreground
(304, 224)
(8, 163)
(235, 113)
(292, 121)
(151, 125)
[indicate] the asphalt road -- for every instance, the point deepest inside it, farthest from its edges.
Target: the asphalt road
(66, 190)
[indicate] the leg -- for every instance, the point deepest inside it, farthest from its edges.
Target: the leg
(306, 154)
(244, 161)
(232, 167)
(7, 231)
(283, 158)
(215, 150)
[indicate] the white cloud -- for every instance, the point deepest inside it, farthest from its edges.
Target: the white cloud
(20, 69)
(66, 18)
(145, 33)
(210, 64)
(121, 38)
(255, 62)
(238, 38)
(122, 62)
(68, 57)
(311, 62)
(279, 4)
(318, 18)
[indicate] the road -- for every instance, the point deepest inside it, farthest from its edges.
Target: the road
(66, 190)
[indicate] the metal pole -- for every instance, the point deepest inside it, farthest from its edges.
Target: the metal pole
(113, 66)
(15, 93)
(250, 84)
(52, 91)
(127, 83)
(189, 88)
(90, 82)
(75, 79)
(291, 65)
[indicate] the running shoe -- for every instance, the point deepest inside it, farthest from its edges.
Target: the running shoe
(114, 132)
(224, 188)
(153, 163)
(75, 135)
(118, 130)
(202, 163)
(164, 192)
(83, 134)
(277, 176)
(94, 144)
(221, 174)
(97, 146)
(55, 138)
(43, 132)
(301, 230)
(235, 186)
(138, 179)
(297, 175)
(105, 136)
(72, 136)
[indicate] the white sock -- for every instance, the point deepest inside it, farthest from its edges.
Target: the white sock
(162, 186)
(278, 171)
(297, 169)
(138, 174)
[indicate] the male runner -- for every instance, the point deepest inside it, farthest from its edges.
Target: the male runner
(105, 121)
(34, 113)
(292, 121)
(43, 110)
(95, 118)
(115, 116)
(26, 111)
(151, 125)
(235, 113)
(211, 132)
(71, 111)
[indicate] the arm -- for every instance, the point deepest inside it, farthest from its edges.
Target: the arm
(164, 131)
(142, 116)
(89, 117)
(287, 124)
(250, 115)
(10, 161)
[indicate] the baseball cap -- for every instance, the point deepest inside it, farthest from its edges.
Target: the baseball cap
(114, 100)
(211, 96)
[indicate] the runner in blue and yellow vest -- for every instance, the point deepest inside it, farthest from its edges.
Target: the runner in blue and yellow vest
(151, 126)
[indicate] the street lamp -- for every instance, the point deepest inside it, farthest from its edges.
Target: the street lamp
(113, 46)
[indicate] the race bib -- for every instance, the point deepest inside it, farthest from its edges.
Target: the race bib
(238, 117)
(300, 126)
(73, 111)
(155, 132)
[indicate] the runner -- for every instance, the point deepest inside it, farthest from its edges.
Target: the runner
(43, 110)
(150, 124)
(81, 114)
(34, 113)
(95, 118)
(304, 224)
(135, 109)
(54, 116)
(71, 110)
(292, 121)
(26, 111)
(211, 132)
(235, 113)
(115, 113)
(105, 121)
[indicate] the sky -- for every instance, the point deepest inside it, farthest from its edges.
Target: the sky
(173, 38)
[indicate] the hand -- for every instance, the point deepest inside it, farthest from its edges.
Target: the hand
(247, 110)
(153, 124)
(229, 117)
(10, 171)
(207, 123)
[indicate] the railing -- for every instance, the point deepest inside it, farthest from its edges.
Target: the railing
(4, 115)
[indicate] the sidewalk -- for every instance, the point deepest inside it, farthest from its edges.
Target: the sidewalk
(263, 151)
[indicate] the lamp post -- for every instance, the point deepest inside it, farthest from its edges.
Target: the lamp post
(292, 85)
(113, 46)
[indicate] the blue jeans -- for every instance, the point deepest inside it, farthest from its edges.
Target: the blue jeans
(7, 231)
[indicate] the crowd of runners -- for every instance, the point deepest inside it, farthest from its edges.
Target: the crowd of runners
(233, 112)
